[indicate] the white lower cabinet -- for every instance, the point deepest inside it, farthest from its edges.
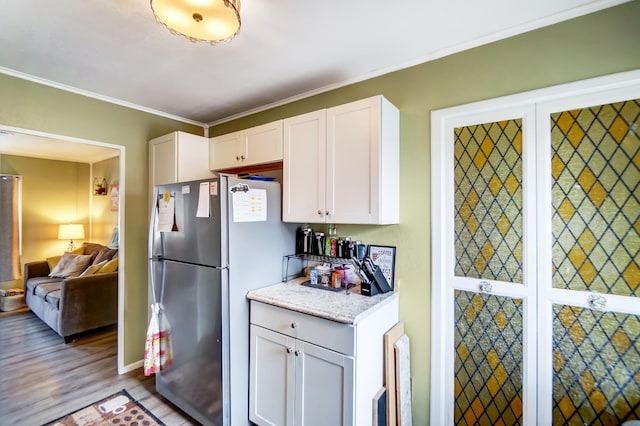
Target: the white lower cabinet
(307, 371)
(298, 383)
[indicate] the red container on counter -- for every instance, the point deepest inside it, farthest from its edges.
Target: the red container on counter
(343, 274)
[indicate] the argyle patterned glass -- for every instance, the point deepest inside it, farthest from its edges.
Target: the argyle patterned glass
(488, 201)
(488, 360)
(596, 198)
(596, 361)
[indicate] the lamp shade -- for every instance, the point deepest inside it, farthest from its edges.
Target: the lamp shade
(199, 20)
(71, 231)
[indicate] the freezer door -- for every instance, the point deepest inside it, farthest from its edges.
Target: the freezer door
(192, 303)
(195, 239)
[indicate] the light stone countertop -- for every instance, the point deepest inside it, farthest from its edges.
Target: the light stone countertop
(336, 306)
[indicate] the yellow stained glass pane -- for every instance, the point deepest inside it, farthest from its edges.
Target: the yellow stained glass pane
(488, 359)
(596, 372)
(488, 201)
(596, 198)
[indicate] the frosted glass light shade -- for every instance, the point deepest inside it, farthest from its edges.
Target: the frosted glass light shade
(199, 20)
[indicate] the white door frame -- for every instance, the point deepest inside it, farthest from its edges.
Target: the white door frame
(608, 88)
(121, 223)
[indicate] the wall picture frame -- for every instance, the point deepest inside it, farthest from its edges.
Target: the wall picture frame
(385, 258)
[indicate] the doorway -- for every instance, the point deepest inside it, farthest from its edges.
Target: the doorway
(28, 143)
(536, 256)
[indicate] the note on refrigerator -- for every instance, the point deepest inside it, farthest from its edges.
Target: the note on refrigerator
(250, 206)
(166, 213)
(204, 205)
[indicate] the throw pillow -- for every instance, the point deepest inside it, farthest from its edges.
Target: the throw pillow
(110, 266)
(93, 269)
(53, 261)
(104, 254)
(91, 248)
(70, 265)
(79, 250)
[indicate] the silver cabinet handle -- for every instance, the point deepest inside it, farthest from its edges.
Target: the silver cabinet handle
(597, 303)
(297, 353)
(294, 325)
(289, 350)
(485, 287)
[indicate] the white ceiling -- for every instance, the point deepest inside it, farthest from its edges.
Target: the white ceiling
(287, 49)
(27, 145)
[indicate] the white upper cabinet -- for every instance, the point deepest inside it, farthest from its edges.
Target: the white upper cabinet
(225, 151)
(304, 168)
(178, 157)
(256, 145)
(341, 164)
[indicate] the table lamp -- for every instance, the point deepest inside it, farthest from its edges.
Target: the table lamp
(71, 231)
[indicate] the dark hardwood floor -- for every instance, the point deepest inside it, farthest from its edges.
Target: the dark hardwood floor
(42, 378)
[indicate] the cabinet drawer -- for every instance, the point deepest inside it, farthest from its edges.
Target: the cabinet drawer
(328, 334)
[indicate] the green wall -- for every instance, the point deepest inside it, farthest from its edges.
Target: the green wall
(602, 43)
(32, 106)
(598, 44)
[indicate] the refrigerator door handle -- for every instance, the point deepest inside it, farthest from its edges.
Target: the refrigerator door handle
(152, 281)
(152, 221)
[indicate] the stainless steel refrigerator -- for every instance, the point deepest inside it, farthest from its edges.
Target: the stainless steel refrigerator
(220, 245)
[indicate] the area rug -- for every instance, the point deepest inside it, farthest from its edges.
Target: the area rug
(118, 409)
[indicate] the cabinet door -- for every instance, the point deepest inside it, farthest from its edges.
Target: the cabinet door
(324, 386)
(353, 159)
(192, 157)
(304, 168)
(225, 151)
(163, 168)
(271, 376)
(262, 144)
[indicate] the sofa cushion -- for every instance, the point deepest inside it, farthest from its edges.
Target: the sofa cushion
(53, 297)
(91, 248)
(104, 254)
(34, 283)
(43, 289)
(53, 261)
(71, 265)
(110, 266)
(93, 269)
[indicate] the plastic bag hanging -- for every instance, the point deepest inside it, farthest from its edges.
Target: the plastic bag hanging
(158, 350)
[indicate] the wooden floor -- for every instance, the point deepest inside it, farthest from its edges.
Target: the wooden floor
(42, 378)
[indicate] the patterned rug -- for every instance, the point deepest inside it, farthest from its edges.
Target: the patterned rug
(118, 409)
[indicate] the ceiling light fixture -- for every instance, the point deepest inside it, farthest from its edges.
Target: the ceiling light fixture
(212, 21)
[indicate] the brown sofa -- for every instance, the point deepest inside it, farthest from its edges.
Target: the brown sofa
(74, 304)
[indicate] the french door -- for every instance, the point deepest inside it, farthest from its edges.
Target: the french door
(536, 265)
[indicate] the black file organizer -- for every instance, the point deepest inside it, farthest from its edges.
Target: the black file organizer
(372, 285)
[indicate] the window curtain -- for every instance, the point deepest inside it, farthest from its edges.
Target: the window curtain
(10, 221)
